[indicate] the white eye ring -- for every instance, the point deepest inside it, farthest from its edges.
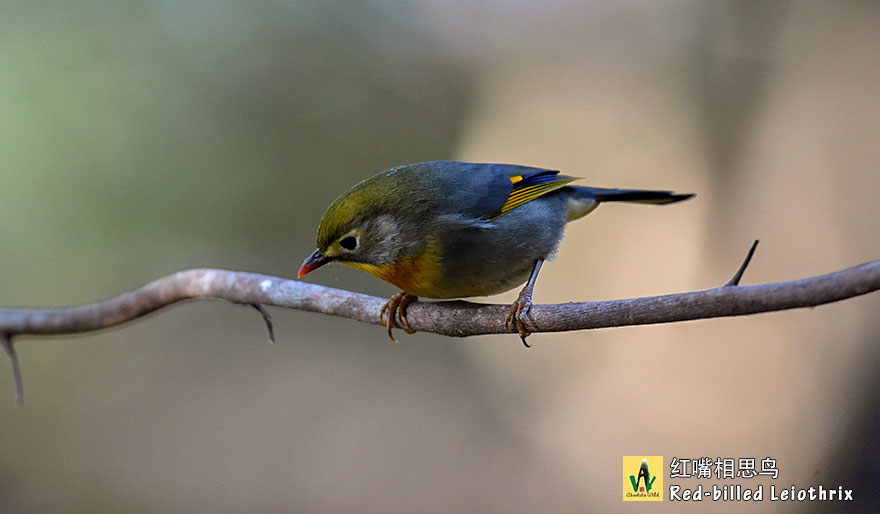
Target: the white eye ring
(348, 242)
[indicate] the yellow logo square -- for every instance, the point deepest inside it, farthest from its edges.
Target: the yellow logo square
(642, 479)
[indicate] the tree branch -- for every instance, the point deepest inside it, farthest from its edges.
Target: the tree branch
(455, 318)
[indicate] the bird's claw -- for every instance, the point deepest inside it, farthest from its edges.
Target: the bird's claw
(519, 319)
(396, 309)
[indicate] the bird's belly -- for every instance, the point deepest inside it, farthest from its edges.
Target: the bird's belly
(483, 270)
(467, 284)
(471, 274)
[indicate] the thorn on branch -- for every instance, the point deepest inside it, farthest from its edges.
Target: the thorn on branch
(734, 281)
(6, 342)
(267, 318)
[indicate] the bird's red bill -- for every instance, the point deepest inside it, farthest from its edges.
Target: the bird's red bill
(315, 260)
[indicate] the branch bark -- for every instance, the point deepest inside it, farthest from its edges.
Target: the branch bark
(454, 318)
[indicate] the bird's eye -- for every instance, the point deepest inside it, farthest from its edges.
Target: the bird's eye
(348, 242)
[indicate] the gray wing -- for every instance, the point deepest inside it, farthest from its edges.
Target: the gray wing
(474, 189)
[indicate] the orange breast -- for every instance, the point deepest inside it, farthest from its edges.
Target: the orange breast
(417, 275)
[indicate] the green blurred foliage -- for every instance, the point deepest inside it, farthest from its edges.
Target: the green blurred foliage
(140, 138)
(169, 131)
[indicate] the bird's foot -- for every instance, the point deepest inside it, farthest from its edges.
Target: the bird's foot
(396, 309)
(519, 319)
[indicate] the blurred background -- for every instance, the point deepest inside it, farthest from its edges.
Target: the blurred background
(139, 138)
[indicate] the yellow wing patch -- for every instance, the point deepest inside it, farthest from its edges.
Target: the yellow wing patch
(526, 194)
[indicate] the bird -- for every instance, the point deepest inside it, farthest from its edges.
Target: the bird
(450, 229)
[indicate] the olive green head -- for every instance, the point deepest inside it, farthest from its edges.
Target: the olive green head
(362, 226)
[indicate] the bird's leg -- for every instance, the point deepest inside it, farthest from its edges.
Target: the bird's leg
(391, 307)
(519, 319)
(396, 308)
(401, 312)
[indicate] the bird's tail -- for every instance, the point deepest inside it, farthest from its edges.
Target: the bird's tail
(588, 198)
(633, 195)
